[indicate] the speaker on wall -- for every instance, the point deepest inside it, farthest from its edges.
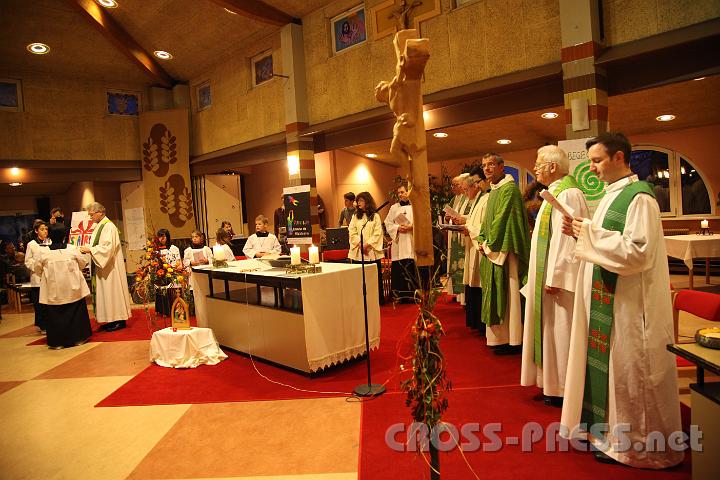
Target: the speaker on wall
(43, 207)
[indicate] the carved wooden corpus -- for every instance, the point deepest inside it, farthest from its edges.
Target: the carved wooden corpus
(408, 148)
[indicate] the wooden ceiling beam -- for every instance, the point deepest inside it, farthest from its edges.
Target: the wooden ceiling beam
(258, 10)
(122, 40)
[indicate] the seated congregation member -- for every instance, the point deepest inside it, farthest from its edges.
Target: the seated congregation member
(399, 226)
(620, 375)
(261, 242)
(195, 255)
(222, 244)
(552, 276)
(171, 256)
(367, 221)
(62, 291)
(33, 253)
(505, 248)
(347, 212)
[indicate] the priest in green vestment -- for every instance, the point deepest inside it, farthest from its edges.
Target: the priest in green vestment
(456, 244)
(505, 245)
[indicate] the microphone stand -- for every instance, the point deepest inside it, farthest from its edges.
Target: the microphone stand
(371, 389)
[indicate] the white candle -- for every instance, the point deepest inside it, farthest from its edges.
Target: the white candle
(314, 254)
(219, 253)
(295, 256)
(704, 224)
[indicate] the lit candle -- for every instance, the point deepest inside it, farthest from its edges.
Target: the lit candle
(704, 224)
(219, 253)
(295, 256)
(314, 255)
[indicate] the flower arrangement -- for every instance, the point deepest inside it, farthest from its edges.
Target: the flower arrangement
(154, 273)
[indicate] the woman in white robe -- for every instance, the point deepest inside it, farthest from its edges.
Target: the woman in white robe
(367, 221)
(170, 254)
(195, 255)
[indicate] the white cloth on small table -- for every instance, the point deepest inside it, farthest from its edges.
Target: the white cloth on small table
(185, 348)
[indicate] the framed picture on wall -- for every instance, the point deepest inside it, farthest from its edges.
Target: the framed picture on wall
(11, 95)
(348, 29)
(262, 68)
(123, 103)
(203, 95)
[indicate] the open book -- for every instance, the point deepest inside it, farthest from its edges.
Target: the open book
(401, 219)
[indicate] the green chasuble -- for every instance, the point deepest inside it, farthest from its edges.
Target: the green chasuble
(602, 303)
(505, 229)
(457, 248)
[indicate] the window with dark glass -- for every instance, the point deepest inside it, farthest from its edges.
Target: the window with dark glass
(695, 196)
(653, 166)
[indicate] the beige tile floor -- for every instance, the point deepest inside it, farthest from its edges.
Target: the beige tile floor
(51, 428)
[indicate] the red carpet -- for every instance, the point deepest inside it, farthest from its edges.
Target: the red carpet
(513, 407)
(138, 327)
(235, 380)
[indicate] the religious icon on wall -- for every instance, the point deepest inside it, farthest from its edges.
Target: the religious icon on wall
(10, 95)
(123, 103)
(349, 29)
(180, 314)
(204, 97)
(262, 66)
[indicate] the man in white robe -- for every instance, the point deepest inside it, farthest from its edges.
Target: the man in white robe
(111, 294)
(546, 367)
(642, 392)
(262, 242)
(399, 226)
(454, 284)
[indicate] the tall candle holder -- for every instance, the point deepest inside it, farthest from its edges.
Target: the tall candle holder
(705, 231)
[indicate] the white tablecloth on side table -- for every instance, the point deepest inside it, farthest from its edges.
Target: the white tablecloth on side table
(185, 348)
(687, 247)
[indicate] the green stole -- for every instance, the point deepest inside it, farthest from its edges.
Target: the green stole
(543, 239)
(95, 241)
(506, 229)
(457, 253)
(594, 408)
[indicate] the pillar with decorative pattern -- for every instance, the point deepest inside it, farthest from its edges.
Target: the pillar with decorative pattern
(584, 84)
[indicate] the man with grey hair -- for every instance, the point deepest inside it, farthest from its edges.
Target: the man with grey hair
(456, 248)
(552, 275)
(111, 298)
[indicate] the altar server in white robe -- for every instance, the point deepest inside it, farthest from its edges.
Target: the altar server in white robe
(399, 226)
(475, 187)
(170, 254)
(111, 295)
(552, 276)
(639, 390)
(195, 255)
(366, 225)
(262, 242)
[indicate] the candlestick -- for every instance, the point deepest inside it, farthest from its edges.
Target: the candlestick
(704, 224)
(219, 253)
(295, 256)
(314, 254)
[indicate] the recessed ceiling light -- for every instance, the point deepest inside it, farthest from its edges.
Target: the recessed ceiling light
(15, 184)
(549, 115)
(440, 135)
(14, 171)
(504, 141)
(665, 118)
(38, 48)
(371, 155)
(162, 54)
(108, 3)
(699, 78)
(230, 11)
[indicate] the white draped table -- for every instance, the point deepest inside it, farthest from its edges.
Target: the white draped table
(688, 247)
(185, 348)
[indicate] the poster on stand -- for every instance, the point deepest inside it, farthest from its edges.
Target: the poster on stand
(590, 184)
(297, 214)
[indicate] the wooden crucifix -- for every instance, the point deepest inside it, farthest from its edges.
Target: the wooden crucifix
(402, 14)
(409, 149)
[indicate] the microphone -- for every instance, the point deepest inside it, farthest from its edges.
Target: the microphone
(387, 202)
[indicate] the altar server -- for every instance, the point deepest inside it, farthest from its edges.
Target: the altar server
(399, 226)
(33, 251)
(262, 242)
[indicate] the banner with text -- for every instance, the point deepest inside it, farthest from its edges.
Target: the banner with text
(297, 214)
(590, 184)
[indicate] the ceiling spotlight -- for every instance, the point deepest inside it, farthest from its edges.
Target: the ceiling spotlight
(549, 115)
(230, 11)
(38, 48)
(665, 118)
(108, 3)
(371, 155)
(699, 78)
(15, 184)
(440, 135)
(504, 141)
(14, 171)
(162, 54)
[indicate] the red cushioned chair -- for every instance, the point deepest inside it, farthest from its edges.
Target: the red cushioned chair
(701, 304)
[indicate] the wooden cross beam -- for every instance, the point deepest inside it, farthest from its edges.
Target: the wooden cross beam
(123, 41)
(258, 10)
